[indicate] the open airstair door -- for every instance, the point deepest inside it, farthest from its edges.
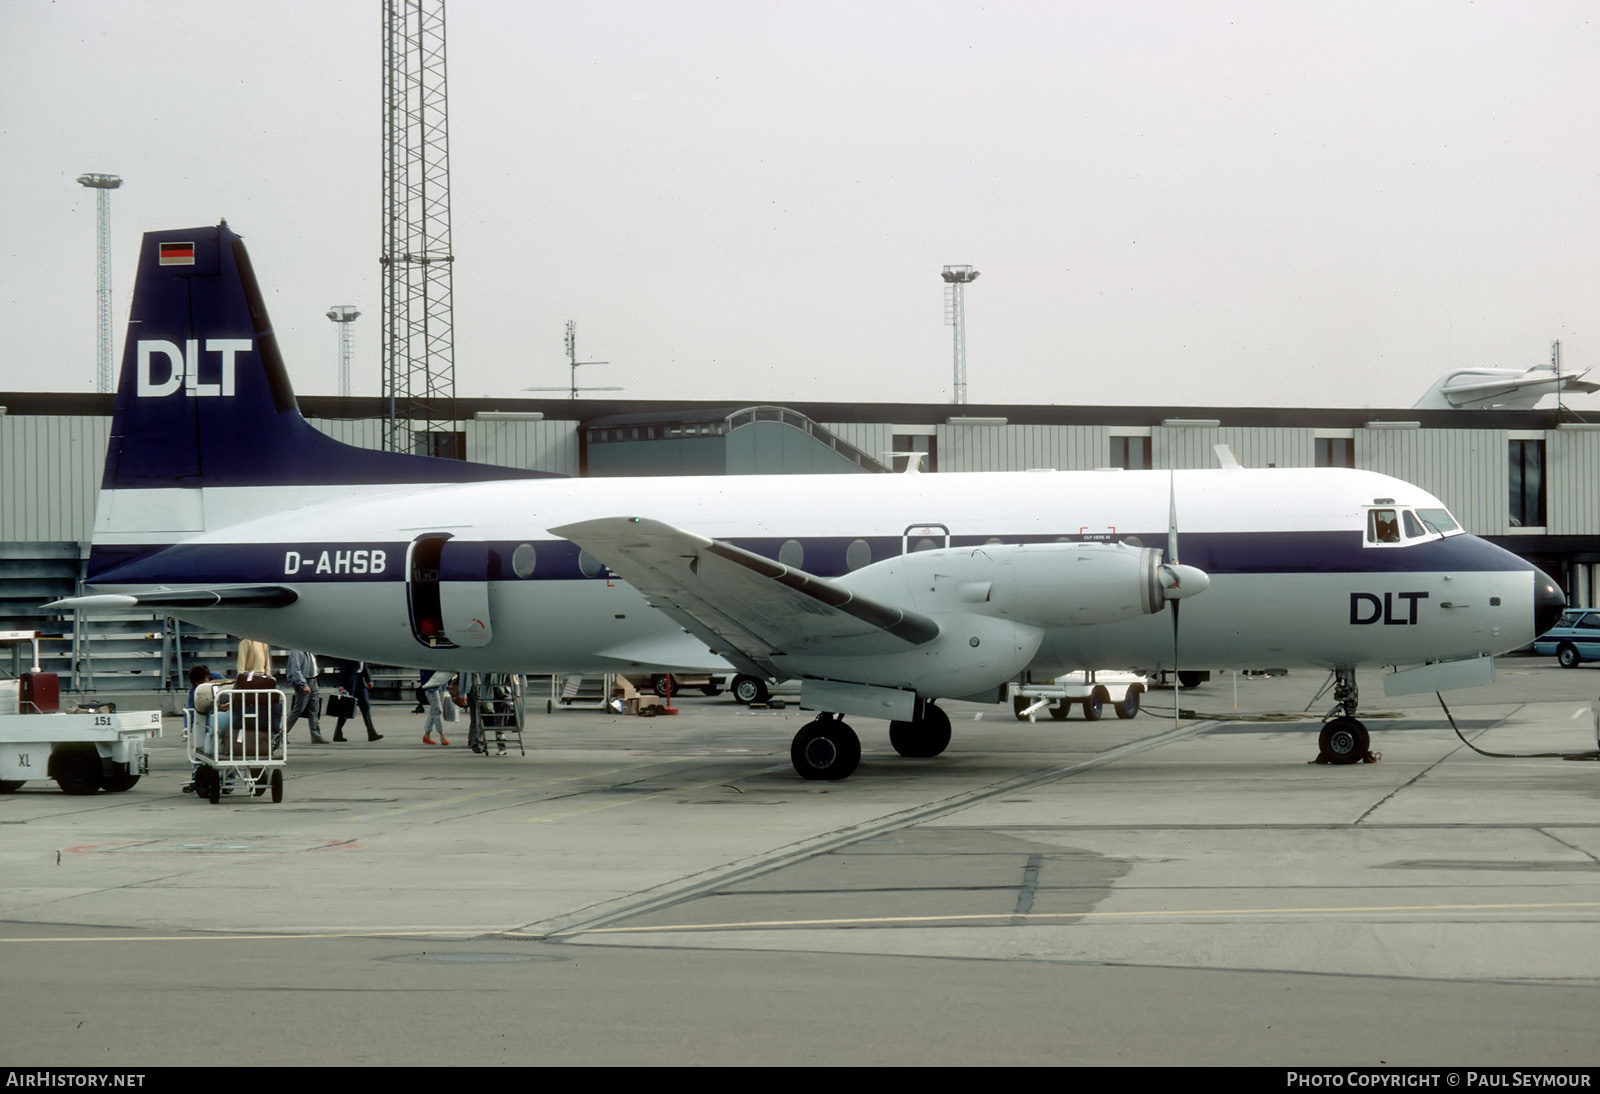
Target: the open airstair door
(447, 586)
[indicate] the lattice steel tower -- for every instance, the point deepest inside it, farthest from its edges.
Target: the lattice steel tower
(419, 372)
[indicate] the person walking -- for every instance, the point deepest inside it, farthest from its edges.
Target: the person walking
(301, 674)
(354, 680)
(441, 708)
(253, 657)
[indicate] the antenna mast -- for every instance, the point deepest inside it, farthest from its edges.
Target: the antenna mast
(572, 387)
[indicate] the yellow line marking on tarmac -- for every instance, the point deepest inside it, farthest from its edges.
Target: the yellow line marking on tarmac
(1049, 916)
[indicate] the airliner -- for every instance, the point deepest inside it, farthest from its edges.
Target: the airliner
(883, 594)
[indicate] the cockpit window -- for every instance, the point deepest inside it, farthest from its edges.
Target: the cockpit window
(1383, 526)
(1438, 521)
(1398, 527)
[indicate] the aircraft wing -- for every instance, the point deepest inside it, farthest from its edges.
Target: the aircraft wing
(247, 596)
(746, 608)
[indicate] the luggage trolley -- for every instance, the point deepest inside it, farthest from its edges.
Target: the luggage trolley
(240, 740)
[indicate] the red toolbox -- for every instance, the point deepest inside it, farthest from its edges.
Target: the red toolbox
(41, 693)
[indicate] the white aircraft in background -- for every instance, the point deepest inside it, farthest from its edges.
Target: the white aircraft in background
(882, 594)
(1501, 388)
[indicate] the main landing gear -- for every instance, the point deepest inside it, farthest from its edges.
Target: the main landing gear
(926, 736)
(1344, 740)
(828, 749)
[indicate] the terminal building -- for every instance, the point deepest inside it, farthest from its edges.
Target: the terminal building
(1528, 480)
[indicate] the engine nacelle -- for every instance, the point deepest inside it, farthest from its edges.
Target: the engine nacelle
(1040, 584)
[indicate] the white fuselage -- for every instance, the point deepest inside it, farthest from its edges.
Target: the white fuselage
(1294, 578)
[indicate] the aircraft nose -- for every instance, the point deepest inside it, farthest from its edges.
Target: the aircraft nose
(1548, 602)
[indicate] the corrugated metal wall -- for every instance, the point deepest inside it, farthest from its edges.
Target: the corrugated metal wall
(1573, 462)
(49, 474)
(50, 464)
(1467, 469)
(1022, 447)
(533, 445)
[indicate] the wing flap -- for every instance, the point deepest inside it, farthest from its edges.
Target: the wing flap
(746, 608)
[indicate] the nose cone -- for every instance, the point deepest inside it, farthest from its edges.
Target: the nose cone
(1548, 602)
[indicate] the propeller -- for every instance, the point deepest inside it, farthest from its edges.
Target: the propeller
(1178, 582)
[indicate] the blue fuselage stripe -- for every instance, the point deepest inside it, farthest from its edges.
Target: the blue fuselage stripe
(825, 556)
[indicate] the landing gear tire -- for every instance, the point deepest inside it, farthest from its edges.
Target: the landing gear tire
(121, 780)
(77, 769)
(825, 750)
(1344, 741)
(1129, 706)
(750, 689)
(1190, 679)
(924, 738)
(1094, 704)
(1567, 655)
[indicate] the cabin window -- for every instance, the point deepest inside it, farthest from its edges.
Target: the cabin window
(524, 559)
(858, 554)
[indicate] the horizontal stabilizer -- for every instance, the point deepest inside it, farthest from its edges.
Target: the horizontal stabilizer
(746, 608)
(250, 596)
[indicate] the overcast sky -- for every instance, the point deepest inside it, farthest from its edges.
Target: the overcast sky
(1251, 204)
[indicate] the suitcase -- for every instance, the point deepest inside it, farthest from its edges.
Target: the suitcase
(342, 706)
(256, 717)
(41, 693)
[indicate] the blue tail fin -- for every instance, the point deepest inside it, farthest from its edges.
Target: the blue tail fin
(204, 399)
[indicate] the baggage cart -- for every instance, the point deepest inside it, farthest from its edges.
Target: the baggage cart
(238, 746)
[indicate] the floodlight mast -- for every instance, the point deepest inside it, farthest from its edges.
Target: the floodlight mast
(344, 315)
(102, 185)
(956, 279)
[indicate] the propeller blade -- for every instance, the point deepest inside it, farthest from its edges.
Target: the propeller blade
(1172, 518)
(1177, 685)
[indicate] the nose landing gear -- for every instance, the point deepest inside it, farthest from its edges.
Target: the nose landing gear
(1344, 740)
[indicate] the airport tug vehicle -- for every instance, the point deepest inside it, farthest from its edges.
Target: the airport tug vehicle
(83, 751)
